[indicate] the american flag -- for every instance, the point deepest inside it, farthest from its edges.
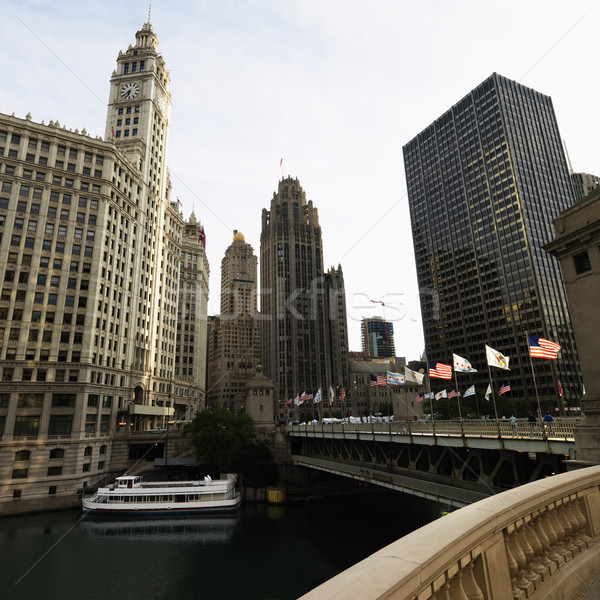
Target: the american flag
(505, 388)
(419, 398)
(542, 348)
(453, 394)
(342, 395)
(378, 380)
(559, 385)
(440, 370)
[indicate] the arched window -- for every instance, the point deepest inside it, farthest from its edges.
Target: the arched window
(88, 451)
(103, 449)
(57, 453)
(22, 455)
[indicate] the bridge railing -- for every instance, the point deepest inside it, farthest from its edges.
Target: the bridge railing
(537, 541)
(559, 429)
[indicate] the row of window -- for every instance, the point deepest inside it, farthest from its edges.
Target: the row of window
(56, 453)
(53, 471)
(29, 425)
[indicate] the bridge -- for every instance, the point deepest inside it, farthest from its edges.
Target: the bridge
(451, 462)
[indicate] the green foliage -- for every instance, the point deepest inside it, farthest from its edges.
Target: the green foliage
(227, 441)
(219, 436)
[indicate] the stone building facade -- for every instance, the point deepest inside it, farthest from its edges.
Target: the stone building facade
(92, 288)
(234, 345)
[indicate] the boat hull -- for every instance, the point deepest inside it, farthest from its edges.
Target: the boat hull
(179, 509)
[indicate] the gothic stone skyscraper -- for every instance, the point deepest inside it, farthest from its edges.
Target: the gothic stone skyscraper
(90, 308)
(304, 331)
(484, 183)
(234, 345)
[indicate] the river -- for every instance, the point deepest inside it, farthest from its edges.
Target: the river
(264, 553)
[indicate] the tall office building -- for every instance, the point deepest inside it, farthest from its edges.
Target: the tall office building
(378, 337)
(484, 182)
(304, 326)
(234, 346)
(584, 183)
(94, 289)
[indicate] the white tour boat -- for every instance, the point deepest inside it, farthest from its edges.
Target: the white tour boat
(129, 496)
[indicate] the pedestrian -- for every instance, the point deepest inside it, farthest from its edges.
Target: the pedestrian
(513, 424)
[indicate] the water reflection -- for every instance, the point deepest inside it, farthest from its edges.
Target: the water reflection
(203, 530)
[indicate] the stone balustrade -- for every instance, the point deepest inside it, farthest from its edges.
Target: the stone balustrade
(539, 541)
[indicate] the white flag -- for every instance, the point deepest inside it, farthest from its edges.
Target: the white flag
(462, 365)
(495, 359)
(442, 394)
(413, 376)
(488, 392)
(331, 395)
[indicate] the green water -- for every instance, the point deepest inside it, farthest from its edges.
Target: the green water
(265, 553)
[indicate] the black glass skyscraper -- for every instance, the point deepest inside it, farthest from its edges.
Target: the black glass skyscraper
(484, 182)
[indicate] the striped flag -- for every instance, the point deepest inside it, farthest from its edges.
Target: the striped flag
(342, 394)
(453, 394)
(378, 380)
(560, 390)
(542, 348)
(440, 370)
(469, 392)
(505, 388)
(394, 378)
(419, 398)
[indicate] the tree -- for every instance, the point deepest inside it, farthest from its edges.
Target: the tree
(228, 442)
(219, 435)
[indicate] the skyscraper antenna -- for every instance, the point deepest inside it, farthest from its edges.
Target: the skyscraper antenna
(149, 11)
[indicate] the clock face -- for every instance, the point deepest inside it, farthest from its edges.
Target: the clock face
(161, 101)
(130, 91)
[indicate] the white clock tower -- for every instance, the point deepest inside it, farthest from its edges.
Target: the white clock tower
(138, 108)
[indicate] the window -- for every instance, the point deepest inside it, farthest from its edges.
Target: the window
(59, 399)
(19, 474)
(582, 263)
(86, 467)
(22, 455)
(93, 400)
(104, 423)
(90, 423)
(60, 424)
(57, 453)
(52, 472)
(107, 401)
(88, 451)
(26, 426)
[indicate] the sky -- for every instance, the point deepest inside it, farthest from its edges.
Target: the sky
(335, 88)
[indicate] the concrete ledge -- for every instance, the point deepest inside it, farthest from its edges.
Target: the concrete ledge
(490, 547)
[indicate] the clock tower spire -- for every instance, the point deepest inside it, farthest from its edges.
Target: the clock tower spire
(139, 107)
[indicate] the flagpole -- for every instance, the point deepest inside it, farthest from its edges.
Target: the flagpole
(492, 390)
(540, 416)
(430, 399)
(462, 430)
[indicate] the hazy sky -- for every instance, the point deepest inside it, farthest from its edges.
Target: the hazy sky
(334, 87)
